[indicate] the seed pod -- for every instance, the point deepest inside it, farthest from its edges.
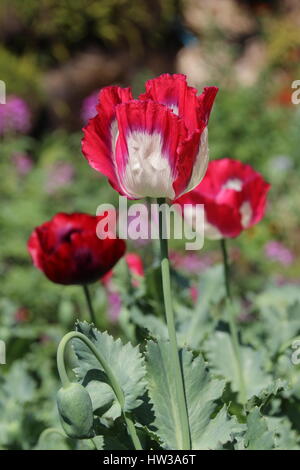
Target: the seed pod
(75, 411)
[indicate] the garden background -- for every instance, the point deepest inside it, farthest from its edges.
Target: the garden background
(54, 57)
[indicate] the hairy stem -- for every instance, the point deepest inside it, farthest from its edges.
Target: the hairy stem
(89, 304)
(232, 323)
(174, 353)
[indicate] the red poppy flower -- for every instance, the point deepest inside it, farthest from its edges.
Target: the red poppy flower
(68, 251)
(155, 146)
(135, 266)
(234, 198)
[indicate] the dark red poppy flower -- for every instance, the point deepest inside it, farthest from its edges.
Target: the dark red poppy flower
(154, 146)
(234, 198)
(68, 251)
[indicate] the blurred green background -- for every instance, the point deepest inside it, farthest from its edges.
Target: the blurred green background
(55, 55)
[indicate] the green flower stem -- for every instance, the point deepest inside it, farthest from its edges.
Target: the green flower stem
(111, 378)
(174, 354)
(89, 304)
(232, 323)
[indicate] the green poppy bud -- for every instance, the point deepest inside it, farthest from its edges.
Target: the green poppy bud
(75, 411)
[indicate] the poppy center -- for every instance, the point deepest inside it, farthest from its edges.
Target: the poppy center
(66, 235)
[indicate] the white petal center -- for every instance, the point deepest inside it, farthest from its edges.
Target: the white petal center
(233, 183)
(148, 171)
(174, 108)
(246, 214)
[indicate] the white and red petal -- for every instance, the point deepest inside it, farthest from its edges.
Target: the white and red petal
(101, 132)
(147, 149)
(255, 194)
(187, 156)
(234, 198)
(201, 161)
(166, 89)
(192, 162)
(155, 146)
(224, 219)
(34, 249)
(173, 91)
(205, 104)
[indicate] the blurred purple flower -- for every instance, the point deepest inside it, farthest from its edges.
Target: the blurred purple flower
(190, 262)
(15, 116)
(276, 251)
(281, 280)
(60, 175)
(23, 163)
(88, 108)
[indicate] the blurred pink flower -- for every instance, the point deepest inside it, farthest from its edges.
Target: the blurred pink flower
(281, 280)
(114, 305)
(15, 116)
(135, 264)
(276, 251)
(88, 108)
(22, 315)
(191, 262)
(136, 268)
(194, 293)
(23, 163)
(60, 175)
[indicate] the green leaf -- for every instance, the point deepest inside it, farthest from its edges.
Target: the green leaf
(279, 312)
(221, 359)
(17, 390)
(18, 384)
(271, 391)
(284, 436)
(126, 363)
(201, 393)
(154, 325)
(290, 372)
(114, 437)
(52, 441)
(257, 436)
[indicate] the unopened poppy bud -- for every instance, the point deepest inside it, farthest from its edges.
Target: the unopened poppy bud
(75, 411)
